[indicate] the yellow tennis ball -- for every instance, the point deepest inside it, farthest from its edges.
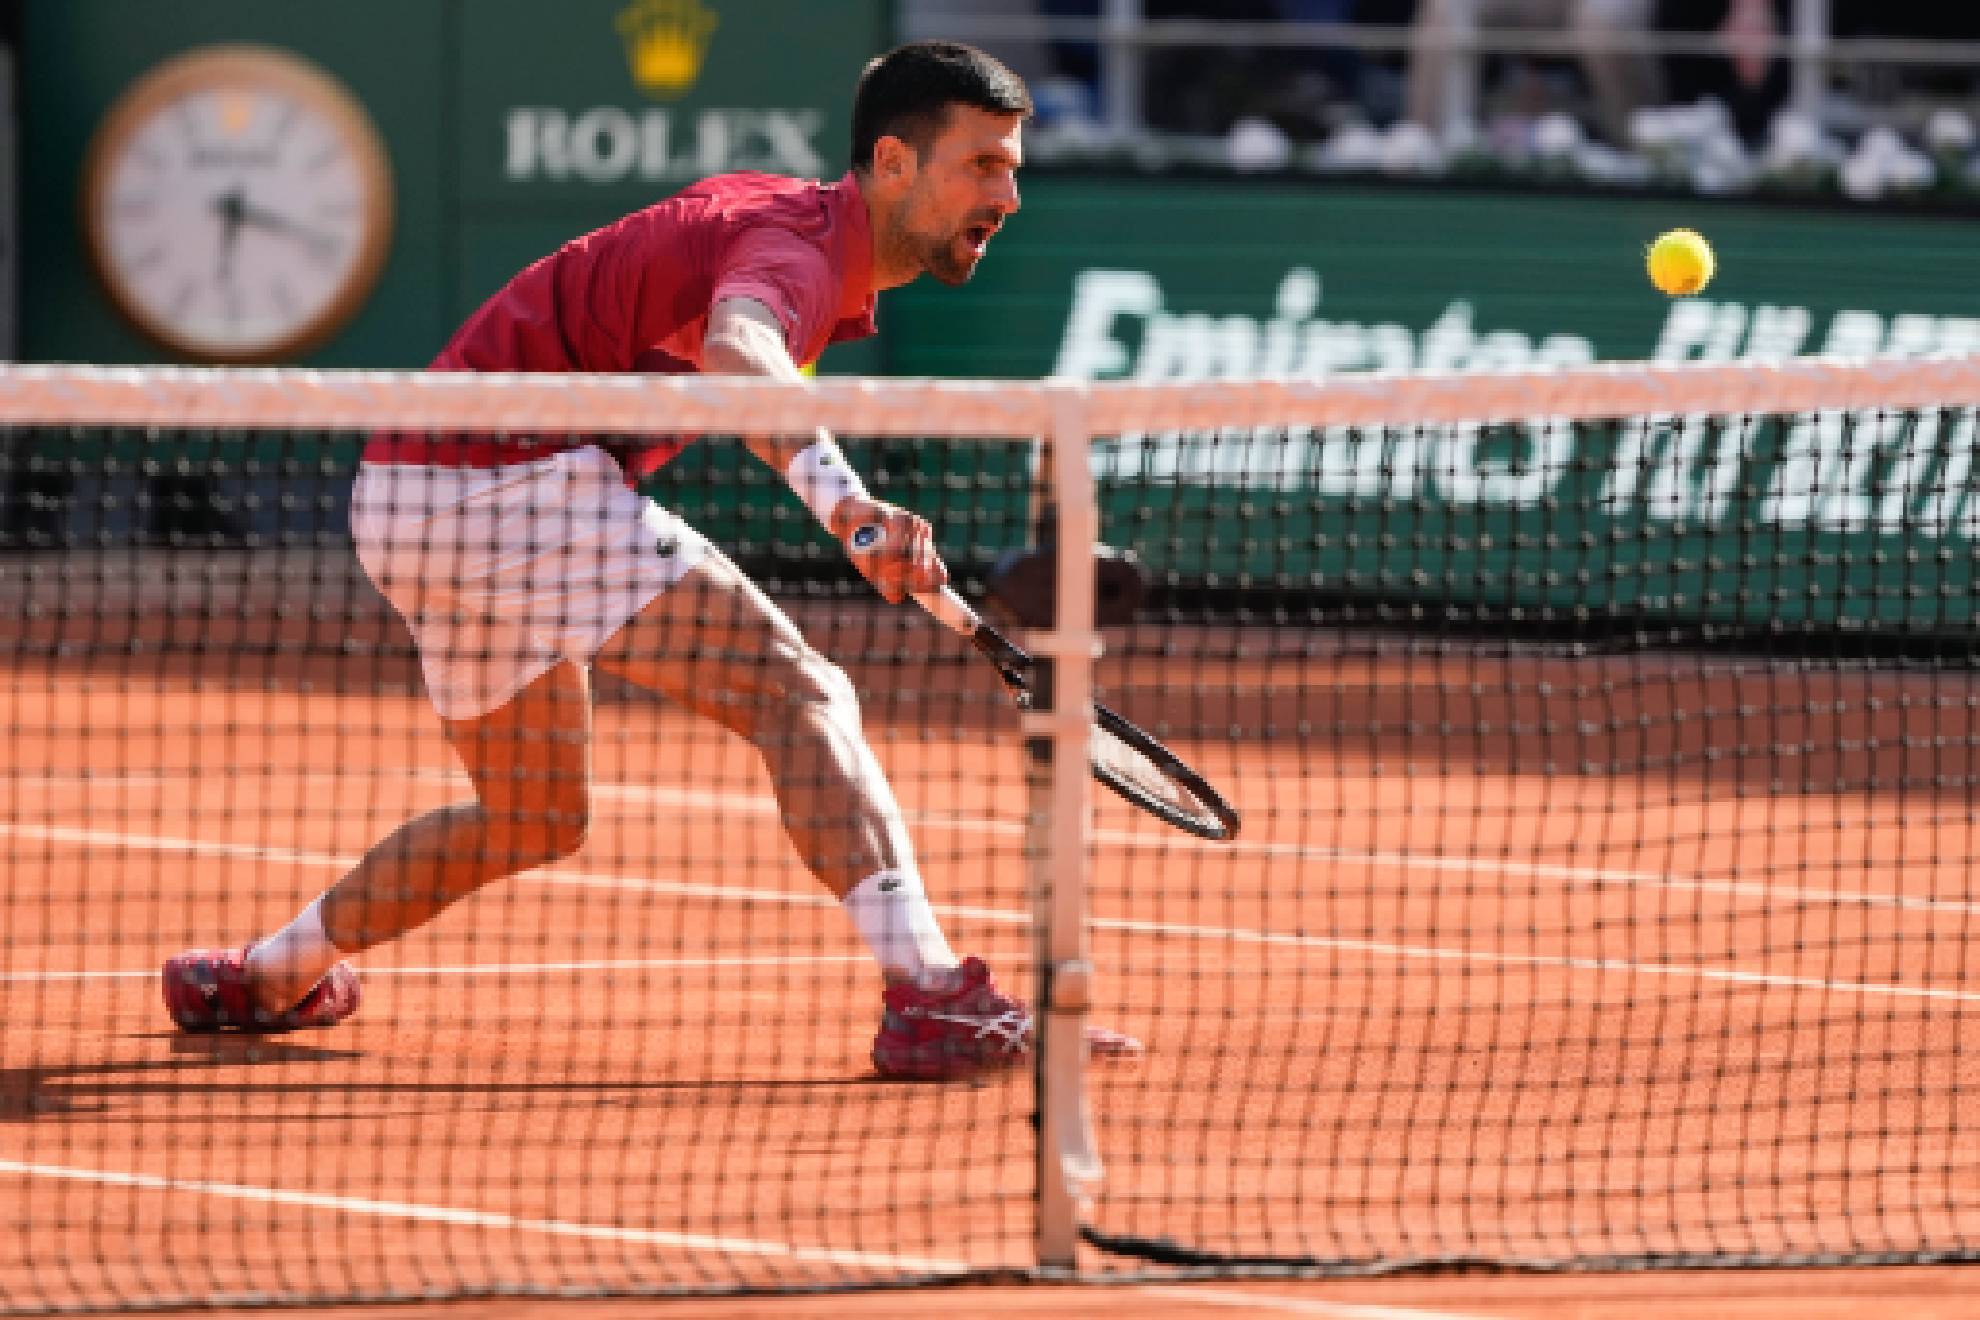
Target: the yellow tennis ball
(1681, 262)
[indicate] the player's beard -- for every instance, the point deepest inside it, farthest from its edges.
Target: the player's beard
(952, 257)
(949, 255)
(951, 260)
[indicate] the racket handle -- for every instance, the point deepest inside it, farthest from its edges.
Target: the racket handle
(950, 609)
(945, 605)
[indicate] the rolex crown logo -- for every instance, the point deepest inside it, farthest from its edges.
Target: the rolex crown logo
(666, 41)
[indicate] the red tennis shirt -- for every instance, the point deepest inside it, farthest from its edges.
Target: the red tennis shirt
(635, 296)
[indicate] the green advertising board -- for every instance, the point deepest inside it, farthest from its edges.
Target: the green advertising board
(1831, 521)
(510, 127)
(80, 58)
(571, 116)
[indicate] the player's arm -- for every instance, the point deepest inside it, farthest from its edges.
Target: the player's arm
(745, 338)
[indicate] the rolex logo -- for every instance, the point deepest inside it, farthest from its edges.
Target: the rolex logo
(666, 41)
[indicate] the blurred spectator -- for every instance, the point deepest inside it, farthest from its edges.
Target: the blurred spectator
(1928, 20)
(944, 20)
(1337, 72)
(1198, 90)
(1064, 75)
(1620, 79)
(1075, 59)
(1931, 20)
(1752, 84)
(1203, 90)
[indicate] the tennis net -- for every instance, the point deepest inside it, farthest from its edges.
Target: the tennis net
(1605, 742)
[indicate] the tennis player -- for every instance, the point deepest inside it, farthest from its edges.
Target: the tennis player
(519, 566)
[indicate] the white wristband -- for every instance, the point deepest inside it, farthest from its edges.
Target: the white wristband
(821, 477)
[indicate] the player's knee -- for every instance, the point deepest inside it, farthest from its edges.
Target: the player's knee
(824, 690)
(564, 829)
(804, 686)
(543, 832)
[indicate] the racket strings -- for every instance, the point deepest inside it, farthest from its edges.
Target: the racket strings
(1132, 766)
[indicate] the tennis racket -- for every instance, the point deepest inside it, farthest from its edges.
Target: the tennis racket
(1125, 759)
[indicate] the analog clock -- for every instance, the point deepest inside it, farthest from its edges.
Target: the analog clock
(237, 204)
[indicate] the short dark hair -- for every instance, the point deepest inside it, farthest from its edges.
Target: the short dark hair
(907, 92)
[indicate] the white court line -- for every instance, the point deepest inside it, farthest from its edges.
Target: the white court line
(416, 1212)
(1445, 953)
(493, 969)
(1231, 934)
(441, 1214)
(1593, 877)
(1590, 876)
(1296, 1305)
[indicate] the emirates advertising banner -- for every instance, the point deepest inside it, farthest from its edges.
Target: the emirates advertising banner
(1830, 520)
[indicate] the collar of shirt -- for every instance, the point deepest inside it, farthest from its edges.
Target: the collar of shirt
(853, 232)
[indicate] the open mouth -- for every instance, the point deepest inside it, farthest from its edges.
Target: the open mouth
(978, 236)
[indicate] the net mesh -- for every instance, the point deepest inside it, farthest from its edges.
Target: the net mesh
(1605, 891)
(642, 1063)
(1603, 896)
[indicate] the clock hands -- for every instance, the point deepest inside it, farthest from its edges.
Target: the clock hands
(230, 232)
(237, 204)
(236, 211)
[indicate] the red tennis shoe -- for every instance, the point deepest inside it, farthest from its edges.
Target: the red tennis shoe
(945, 1035)
(207, 989)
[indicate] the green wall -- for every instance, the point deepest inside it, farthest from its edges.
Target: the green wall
(79, 55)
(514, 125)
(450, 84)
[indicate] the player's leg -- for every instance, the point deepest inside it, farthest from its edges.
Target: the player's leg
(488, 567)
(718, 645)
(529, 763)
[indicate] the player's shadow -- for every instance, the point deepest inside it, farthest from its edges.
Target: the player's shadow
(232, 1048)
(32, 1092)
(201, 1069)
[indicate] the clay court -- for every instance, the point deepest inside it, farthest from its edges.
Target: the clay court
(1520, 960)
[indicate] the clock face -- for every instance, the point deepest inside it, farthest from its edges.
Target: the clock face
(238, 205)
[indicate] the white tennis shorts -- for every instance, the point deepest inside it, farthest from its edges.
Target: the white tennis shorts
(503, 572)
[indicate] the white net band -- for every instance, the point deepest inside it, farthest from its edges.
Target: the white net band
(633, 405)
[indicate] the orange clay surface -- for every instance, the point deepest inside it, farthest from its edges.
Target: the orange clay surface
(1461, 992)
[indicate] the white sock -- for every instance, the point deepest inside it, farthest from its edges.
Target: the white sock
(890, 910)
(298, 954)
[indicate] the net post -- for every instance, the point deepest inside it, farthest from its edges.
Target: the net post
(1059, 778)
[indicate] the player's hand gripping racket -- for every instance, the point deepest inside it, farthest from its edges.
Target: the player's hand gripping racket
(1124, 758)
